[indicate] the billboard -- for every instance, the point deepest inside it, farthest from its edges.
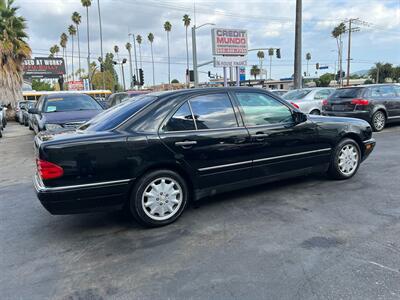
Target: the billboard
(43, 67)
(76, 85)
(229, 61)
(229, 41)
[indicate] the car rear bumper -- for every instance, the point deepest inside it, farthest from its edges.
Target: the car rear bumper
(364, 115)
(369, 146)
(82, 198)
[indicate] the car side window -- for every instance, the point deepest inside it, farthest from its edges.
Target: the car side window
(322, 94)
(182, 120)
(261, 109)
(375, 92)
(397, 90)
(387, 91)
(213, 111)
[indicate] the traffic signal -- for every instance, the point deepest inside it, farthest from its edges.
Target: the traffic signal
(134, 80)
(191, 75)
(317, 66)
(102, 67)
(278, 53)
(209, 74)
(141, 77)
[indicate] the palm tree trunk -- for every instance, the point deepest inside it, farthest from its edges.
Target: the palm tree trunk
(72, 57)
(66, 62)
(131, 83)
(169, 63)
(88, 45)
(270, 67)
(187, 58)
(79, 51)
(152, 62)
(140, 56)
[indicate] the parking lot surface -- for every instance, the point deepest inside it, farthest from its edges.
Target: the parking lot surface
(305, 238)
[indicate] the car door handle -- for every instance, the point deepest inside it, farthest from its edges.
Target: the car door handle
(260, 136)
(186, 144)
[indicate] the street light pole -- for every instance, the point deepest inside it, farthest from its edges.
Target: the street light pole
(101, 43)
(194, 49)
(297, 51)
(134, 52)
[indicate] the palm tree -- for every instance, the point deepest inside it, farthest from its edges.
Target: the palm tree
(76, 18)
(255, 70)
(150, 37)
(186, 22)
(52, 52)
(116, 50)
(72, 32)
(167, 28)
(308, 58)
(13, 50)
(63, 44)
(87, 4)
(337, 33)
(139, 41)
(270, 54)
(261, 55)
(128, 47)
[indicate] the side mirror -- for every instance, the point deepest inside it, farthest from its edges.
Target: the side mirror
(299, 117)
(33, 111)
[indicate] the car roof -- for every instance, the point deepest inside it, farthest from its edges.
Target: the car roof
(62, 94)
(203, 91)
(370, 85)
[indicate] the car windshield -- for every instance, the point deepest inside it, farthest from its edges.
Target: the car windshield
(117, 114)
(346, 93)
(22, 104)
(296, 94)
(70, 103)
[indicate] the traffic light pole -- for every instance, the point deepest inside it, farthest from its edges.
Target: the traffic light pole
(195, 74)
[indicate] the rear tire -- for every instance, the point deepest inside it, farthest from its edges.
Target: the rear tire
(345, 160)
(378, 121)
(159, 198)
(315, 112)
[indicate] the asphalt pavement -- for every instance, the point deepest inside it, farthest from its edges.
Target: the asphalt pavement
(304, 238)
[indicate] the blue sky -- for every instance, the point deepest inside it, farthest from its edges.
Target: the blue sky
(269, 24)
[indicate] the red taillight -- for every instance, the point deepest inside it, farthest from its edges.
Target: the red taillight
(359, 101)
(294, 104)
(48, 170)
(325, 102)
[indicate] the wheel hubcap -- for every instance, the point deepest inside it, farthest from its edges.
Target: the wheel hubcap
(379, 121)
(162, 198)
(348, 159)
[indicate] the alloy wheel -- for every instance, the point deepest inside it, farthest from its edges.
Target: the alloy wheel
(379, 120)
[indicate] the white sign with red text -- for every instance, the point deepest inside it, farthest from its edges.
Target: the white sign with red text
(229, 41)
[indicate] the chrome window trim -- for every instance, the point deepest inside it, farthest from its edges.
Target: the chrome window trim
(40, 187)
(201, 130)
(264, 159)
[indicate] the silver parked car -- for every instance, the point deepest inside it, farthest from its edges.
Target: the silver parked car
(308, 100)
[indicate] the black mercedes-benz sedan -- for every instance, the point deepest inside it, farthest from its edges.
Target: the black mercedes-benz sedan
(153, 155)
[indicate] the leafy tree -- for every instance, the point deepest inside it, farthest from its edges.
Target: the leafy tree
(324, 80)
(175, 81)
(396, 74)
(255, 71)
(109, 80)
(13, 50)
(39, 85)
(385, 71)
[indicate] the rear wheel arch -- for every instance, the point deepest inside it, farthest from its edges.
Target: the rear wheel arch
(356, 138)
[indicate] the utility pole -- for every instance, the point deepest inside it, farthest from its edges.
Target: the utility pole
(297, 49)
(350, 30)
(101, 45)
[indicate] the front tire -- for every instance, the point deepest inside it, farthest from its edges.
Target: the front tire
(159, 198)
(378, 121)
(345, 160)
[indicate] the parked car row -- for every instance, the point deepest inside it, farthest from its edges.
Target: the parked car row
(3, 119)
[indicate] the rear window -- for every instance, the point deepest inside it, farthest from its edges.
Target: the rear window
(70, 103)
(347, 93)
(114, 116)
(296, 94)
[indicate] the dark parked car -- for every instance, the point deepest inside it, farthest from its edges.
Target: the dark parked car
(18, 111)
(155, 154)
(377, 104)
(25, 112)
(63, 111)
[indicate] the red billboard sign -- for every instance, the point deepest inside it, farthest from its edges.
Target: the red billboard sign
(44, 67)
(229, 41)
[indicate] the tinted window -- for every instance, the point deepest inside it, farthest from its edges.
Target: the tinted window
(397, 89)
(347, 93)
(296, 94)
(117, 114)
(213, 111)
(387, 91)
(260, 109)
(181, 120)
(70, 103)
